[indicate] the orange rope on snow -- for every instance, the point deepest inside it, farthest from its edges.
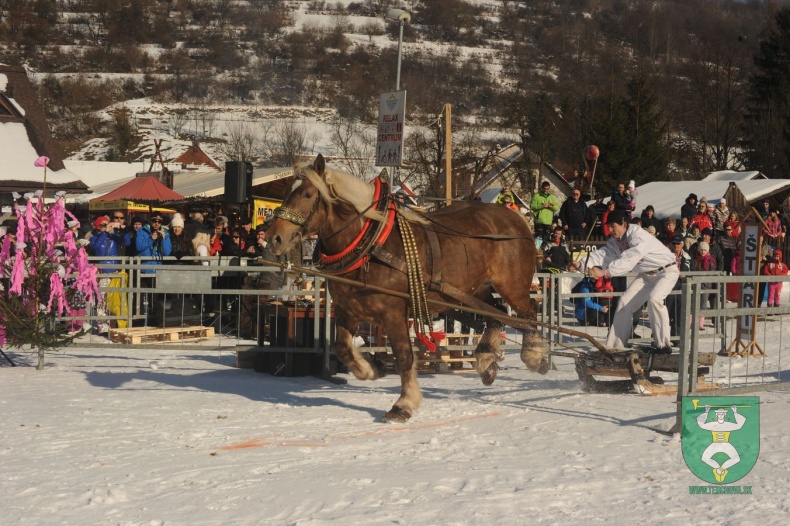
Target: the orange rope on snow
(271, 442)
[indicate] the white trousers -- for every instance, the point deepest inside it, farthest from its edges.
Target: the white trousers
(653, 290)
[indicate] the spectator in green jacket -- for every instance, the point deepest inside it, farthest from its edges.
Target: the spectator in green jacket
(544, 205)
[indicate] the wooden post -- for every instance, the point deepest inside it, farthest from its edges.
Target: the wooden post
(448, 142)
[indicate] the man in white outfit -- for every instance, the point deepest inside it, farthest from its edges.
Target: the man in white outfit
(631, 247)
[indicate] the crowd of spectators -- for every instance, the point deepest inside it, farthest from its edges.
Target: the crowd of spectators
(703, 236)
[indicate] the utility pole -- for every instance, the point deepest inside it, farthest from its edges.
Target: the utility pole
(448, 143)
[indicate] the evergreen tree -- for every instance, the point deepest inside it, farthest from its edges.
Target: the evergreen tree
(647, 155)
(631, 134)
(767, 126)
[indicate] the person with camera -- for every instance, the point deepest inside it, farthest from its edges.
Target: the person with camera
(105, 241)
(153, 241)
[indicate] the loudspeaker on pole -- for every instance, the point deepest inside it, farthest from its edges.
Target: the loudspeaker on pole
(238, 181)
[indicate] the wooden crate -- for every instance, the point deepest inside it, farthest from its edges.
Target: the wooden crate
(140, 335)
(448, 359)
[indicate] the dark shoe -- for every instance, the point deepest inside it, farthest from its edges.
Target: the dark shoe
(662, 350)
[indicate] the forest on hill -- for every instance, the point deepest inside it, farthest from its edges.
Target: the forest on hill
(666, 89)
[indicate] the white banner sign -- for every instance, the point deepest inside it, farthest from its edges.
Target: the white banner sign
(750, 266)
(389, 139)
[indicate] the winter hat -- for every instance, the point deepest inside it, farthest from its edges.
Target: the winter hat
(778, 255)
(723, 201)
(177, 221)
(703, 246)
(652, 230)
(99, 220)
(707, 232)
(138, 219)
(631, 184)
(72, 224)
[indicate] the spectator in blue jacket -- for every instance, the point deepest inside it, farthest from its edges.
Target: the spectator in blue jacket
(153, 241)
(592, 311)
(104, 241)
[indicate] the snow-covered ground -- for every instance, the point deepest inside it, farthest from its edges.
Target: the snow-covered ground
(163, 436)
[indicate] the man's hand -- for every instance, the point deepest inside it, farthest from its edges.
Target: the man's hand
(707, 409)
(735, 409)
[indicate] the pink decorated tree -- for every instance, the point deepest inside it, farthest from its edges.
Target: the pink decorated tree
(43, 270)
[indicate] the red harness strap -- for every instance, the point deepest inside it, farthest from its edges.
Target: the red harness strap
(383, 234)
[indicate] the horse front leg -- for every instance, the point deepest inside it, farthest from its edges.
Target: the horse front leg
(346, 352)
(533, 352)
(488, 353)
(410, 395)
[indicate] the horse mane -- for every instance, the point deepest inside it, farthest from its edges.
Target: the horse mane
(339, 186)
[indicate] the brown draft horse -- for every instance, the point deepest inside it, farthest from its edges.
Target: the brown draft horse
(336, 205)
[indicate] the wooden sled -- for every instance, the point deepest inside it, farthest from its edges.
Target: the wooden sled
(635, 366)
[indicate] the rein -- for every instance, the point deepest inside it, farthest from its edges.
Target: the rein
(491, 237)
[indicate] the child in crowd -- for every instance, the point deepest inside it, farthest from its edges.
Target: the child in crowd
(776, 267)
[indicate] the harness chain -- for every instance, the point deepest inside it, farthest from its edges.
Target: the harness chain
(419, 300)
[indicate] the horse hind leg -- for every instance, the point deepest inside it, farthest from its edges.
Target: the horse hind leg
(533, 348)
(488, 353)
(533, 352)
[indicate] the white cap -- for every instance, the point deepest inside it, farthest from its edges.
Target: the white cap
(72, 224)
(723, 201)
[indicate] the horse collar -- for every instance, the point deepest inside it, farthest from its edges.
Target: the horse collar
(361, 245)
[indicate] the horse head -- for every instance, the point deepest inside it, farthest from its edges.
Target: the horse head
(301, 212)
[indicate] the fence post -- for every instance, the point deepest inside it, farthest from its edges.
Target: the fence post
(686, 313)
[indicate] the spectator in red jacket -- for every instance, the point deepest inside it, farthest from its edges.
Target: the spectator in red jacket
(702, 219)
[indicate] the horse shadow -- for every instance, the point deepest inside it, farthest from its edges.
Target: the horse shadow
(297, 391)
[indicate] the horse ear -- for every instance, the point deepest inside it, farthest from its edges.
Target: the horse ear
(319, 165)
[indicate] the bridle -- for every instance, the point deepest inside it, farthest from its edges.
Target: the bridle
(292, 216)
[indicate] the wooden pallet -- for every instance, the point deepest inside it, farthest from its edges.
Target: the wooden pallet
(139, 335)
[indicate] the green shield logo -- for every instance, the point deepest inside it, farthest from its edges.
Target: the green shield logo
(721, 436)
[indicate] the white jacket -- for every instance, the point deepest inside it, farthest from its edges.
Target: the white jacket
(636, 249)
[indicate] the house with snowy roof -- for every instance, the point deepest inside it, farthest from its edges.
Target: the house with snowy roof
(24, 137)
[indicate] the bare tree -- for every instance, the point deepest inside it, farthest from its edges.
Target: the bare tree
(353, 144)
(284, 142)
(176, 121)
(242, 142)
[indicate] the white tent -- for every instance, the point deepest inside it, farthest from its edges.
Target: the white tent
(667, 197)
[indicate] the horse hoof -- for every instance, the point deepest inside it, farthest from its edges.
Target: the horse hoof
(544, 367)
(397, 414)
(489, 375)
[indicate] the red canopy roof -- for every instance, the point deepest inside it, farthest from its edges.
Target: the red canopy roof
(142, 188)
